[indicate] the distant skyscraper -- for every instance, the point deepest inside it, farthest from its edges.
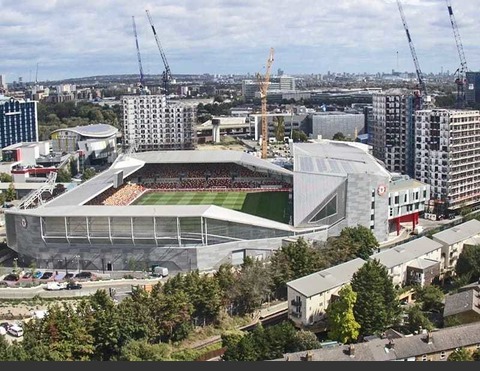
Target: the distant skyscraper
(151, 123)
(18, 121)
(3, 83)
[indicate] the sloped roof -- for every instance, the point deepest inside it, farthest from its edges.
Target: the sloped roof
(461, 302)
(406, 252)
(327, 279)
(459, 232)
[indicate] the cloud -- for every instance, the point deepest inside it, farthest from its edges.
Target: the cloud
(79, 38)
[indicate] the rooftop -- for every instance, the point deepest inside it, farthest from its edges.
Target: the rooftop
(406, 252)
(464, 301)
(458, 233)
(93, 130)
(327, 279)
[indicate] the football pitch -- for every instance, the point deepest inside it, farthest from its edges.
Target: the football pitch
(269, 205)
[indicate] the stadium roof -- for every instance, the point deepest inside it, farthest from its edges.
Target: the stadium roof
(96, 185)
(93, 130)
(327, 279)
(335, 158)
(212, 157)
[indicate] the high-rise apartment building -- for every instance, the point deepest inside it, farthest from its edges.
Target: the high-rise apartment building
(18, 121)
(447, 153)
(151, 123)
(472, 88)
(3, 83)
(391, 130)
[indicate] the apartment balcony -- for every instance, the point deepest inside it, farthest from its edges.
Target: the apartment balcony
(296, 303)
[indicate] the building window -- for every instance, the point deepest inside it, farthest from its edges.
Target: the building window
(443, 355)
(424, 357)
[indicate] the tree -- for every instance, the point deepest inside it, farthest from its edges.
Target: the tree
(5, 178)
(304, 340)
(63, 176)
(460, 354)
(476, 355)
(468, 264)
(10, 194)
(431, 297)
(295, 260)
(340, 318)
(417, 319)
(88, 173)
(339, 136)
(377, 306)
(361, 239)
(299, 136)
(279, 125)
(141, 350)
(73, 167)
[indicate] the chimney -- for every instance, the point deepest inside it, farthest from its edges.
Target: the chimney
(308, 356)
(351, 350)
(391, 344)
(429, 338)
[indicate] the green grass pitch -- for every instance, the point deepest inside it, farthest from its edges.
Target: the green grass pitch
(269, 205)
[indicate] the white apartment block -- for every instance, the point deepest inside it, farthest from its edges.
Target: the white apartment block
(447, 155)
(284, 83)
(151, 123)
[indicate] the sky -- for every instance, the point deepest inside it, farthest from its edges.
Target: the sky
(80, 38)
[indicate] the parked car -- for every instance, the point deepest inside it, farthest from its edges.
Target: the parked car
(85, 275)
(11, 277)
(27, 275)
(73, 286)
(5, 325)
(15, 330)
(68, 276)
(53, 286)
(46, 275)
(37, 274)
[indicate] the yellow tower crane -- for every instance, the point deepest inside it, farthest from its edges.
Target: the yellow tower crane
(263, 82)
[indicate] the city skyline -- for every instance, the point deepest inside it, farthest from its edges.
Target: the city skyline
(69, 39)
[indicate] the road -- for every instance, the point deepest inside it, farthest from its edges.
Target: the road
(89, 288)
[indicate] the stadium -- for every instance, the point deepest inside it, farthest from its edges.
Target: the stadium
(180, 209)
(199, 209)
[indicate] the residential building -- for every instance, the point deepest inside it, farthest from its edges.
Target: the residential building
(426, 346)
(284, 82)
(414, 262)
(152, 123)
(447, 155)
(463, 306)
(18, 121)
(453, 241)
(3, 83)
(310, 296)
(392, 131)
(472, 88)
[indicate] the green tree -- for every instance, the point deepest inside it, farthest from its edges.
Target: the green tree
(88, 173)
(460, 354)
(63, 176)
(304, 340)
(279, 125)
(10, 194)
(226, 276)
(431, 297)
(377, 306)
(73, 167)
(141, 350)
(230, 340)
(340, 318)
(339, 136)
(299, 136)
(292, 261)
(468, 264)
(5, 178)
(362, 240)
(476, 355)
(417, 319)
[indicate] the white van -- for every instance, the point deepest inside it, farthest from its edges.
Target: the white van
(15, 330)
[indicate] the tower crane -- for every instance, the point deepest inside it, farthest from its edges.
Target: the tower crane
(263, 82)
(422, 95)
(143, 89)
(461, 78)
(167, 75)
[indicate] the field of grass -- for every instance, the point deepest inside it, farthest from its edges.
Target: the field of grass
(269, 205)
